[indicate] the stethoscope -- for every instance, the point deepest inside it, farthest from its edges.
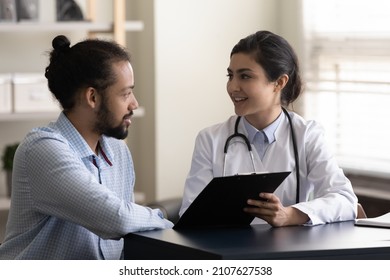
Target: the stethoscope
(247, 143)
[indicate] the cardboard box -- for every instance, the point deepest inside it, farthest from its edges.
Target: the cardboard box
(7, 11)
(31, 94)
(27, 10)
(5, 93)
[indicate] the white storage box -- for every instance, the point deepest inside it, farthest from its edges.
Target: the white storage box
(5, 93)
(31, 94)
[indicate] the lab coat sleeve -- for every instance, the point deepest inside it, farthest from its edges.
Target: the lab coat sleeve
(330, 197)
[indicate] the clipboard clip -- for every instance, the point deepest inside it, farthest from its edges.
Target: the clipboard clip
(251, 173)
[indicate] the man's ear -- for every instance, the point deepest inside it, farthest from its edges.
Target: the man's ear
(91, 97)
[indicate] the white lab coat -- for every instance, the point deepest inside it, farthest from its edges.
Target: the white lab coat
(326, 195)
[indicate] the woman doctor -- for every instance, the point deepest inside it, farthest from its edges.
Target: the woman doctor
(263, 78)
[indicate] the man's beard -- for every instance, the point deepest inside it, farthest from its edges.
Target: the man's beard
(104, 124)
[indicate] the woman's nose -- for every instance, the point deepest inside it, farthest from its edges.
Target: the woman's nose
(233, 85)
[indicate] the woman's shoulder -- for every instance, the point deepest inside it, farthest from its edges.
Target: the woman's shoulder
(310, 130)
(304, 124)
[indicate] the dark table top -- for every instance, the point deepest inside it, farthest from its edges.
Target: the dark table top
(330, 241)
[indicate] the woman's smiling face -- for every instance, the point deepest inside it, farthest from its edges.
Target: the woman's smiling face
(253, 95)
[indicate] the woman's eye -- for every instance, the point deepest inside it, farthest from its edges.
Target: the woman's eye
(230, 76)
(245, 76)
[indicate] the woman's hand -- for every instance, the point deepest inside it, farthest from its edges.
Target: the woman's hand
(273, 212)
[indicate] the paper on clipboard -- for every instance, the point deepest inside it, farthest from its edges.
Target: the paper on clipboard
(380, 221)
(222, 201)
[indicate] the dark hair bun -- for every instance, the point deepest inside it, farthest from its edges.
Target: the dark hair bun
(61, 43)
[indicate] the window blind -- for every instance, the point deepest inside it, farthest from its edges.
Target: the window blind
(347, 74)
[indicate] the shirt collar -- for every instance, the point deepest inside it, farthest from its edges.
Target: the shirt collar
(78, 143)
(269, 131)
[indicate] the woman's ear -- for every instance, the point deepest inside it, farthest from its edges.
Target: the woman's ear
(281, 82)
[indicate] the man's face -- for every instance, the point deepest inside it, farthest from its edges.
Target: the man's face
(118, 102)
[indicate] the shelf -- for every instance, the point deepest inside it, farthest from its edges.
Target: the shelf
(28, 116)
(67, 26)
(134, 25)
(140, 112)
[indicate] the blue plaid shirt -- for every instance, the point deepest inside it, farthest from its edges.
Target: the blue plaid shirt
(68, 203)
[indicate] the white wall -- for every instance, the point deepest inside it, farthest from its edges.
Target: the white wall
(193, 40)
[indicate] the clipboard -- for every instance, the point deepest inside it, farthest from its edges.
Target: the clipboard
(222, 201)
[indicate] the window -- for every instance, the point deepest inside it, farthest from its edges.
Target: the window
(347, 70)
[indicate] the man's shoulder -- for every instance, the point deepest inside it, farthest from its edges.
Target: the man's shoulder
(43, 132)
(42, 138)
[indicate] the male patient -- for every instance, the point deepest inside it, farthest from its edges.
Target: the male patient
(72, 194)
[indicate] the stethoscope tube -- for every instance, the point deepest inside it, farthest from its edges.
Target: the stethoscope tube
(247, 143)
(242, 136)
(295, 147)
